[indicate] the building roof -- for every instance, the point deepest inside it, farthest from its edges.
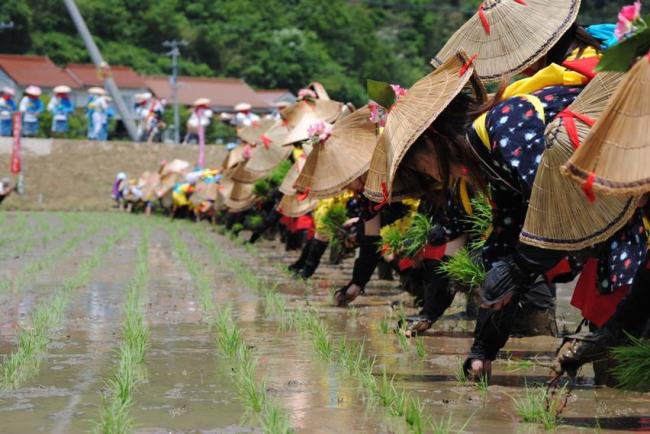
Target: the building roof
(125, 77)
(224, 93)
(36, 70)
(275, 95)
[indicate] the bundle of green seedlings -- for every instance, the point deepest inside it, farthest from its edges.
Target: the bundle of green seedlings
(542, 406)
(231, 343)
(49, 259)
(264, 186)
(253, 222)
(47, 317)
(391, 239)
(417, 235)
(632, 370)
(349, 355)
(466, 267)
(333, 221)
(115, 417)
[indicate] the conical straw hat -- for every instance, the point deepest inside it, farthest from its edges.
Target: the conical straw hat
(241, 197)
(616, 156)
(224, 189)
(511, 35)
(265, 156)
(252, 134)
(293, 206)
(410, 117)
(560, 215)
(204, 191)
(342, 158)
(176, 166)
(148, 183)
(304, 114)
(288, 185)
(233, 158)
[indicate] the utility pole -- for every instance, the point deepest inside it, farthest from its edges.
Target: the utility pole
(99, 62)
(174, 53)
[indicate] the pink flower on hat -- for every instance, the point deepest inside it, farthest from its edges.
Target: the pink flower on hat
(399, 90)
(629, 20)
(377, 114)
(306, 94)
(320, 132)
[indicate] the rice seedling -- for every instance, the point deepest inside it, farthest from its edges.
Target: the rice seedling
(417, 234)
(403, 340)
(420, 349)
(447, 425)
(482, 384)
(275, 421)
(481, 218)
(391, 239)
(632, 370)
(542, 407)
(461, 375)
(45, 318)
(333, 221)
(384, 325)
(414, 415)
(465, 267)
(353, 312)
(115, 416)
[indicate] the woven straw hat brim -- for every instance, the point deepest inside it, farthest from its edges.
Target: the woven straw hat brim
(520, 34)
(253, 133)
(290, 206)
(204, 192)
(264, 158)
(411, 116)
(560, 216)
(149, 182)
(234, 157)
(342, 158)
(241, 197)
(307, 113)
(224, 189)
(289, 182)
(176, 166)
(617, 152)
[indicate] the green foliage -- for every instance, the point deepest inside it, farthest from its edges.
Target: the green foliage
(392, 238)
(254, 221)
(333, 221)
(633, 364)
(622, 56)
(417, 235)
(540, 406)
(381, 93)
(280, 172)
(465, 268)
(480, 220)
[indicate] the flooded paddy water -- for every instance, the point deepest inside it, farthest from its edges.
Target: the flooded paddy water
(186, 384)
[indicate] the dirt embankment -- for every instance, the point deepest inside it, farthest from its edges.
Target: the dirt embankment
(78, 174)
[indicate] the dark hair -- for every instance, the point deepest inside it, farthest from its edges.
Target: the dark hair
(576, 37)
(448, 132)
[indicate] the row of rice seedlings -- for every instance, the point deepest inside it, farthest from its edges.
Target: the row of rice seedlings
(347, 354)
(115, 415)
(254, 393)
(46, 261)
(42, 235)
(541, 406)
(230, 340)
(18, 226)
(46, 318)
(201, 281)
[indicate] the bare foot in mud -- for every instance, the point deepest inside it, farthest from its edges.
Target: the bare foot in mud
(347, 294)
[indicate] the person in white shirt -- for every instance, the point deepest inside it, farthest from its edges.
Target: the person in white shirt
(7, 109)
(244, 117)
(31, 107)
(201, 117)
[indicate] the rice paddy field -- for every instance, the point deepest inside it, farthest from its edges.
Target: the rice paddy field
(116, 323)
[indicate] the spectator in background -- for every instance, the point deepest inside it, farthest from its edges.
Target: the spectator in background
(60, 106)
(148, 113)
(7, 109)
(6, 188)
(93, 94)
(110, 114)
(244, 117)
(31, 107)
(99, 106)
(277, 109)
(201, 116)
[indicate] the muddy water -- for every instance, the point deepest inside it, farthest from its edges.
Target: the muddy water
(188, 386)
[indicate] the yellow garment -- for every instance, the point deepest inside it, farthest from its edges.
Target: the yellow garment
(404, 223)
(324, 207)
(179, 195)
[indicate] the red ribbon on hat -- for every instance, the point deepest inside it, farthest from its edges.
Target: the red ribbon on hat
(266, 141)
(303, 196)
(484, 20)
(384, 192)
(521, 2)
(467, 65)
(569, 118)
(588, 187)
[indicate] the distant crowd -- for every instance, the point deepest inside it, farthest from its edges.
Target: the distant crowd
(99, 110)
